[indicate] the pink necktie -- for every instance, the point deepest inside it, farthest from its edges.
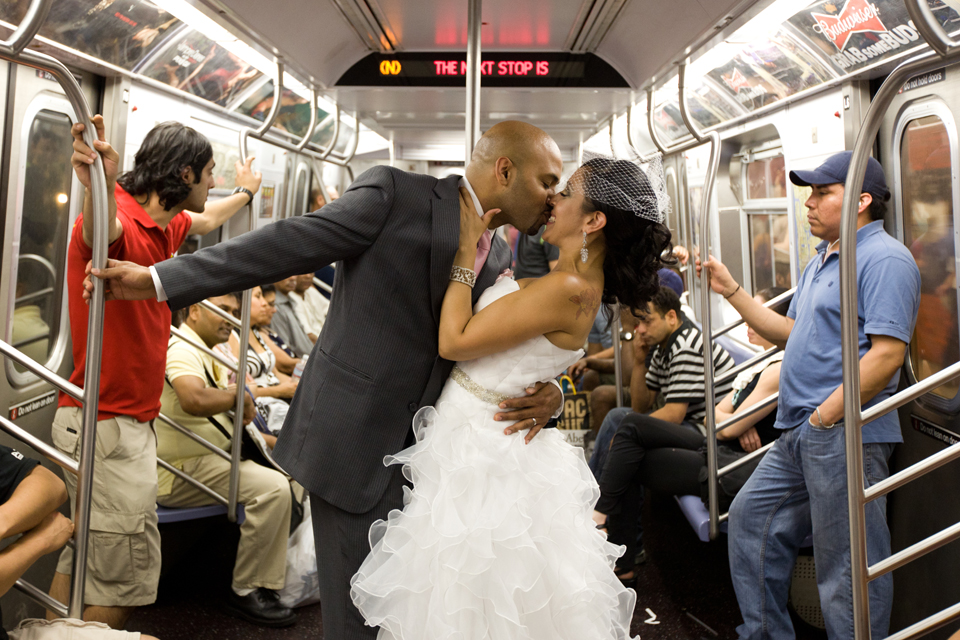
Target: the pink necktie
(483, 250)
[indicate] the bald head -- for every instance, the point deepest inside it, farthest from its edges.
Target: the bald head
(515, 167)
(516, 140)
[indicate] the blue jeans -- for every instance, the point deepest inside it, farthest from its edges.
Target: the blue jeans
(799, 487)
(601, 445)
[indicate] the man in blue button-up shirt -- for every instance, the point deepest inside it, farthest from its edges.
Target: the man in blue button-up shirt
(800, 486)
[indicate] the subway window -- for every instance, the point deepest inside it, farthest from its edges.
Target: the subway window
(928, 230)
(44, 229)
(765, 204)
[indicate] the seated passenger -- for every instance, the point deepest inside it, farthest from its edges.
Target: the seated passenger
(603, 395)
(310, 306)
(197, 395)
(271, 385)
(285, 323)
(647, 454)
(29, 498)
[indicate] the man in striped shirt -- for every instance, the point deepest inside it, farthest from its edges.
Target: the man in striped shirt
(675, 368)
(668, 362)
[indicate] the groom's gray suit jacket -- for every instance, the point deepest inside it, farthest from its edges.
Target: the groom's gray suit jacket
(375, 364)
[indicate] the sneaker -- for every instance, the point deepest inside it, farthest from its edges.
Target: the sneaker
(262, 607)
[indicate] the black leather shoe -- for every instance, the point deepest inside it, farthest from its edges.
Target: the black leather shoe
(262, 607)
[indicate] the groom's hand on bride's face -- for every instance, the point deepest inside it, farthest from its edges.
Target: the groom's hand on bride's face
(540, 403)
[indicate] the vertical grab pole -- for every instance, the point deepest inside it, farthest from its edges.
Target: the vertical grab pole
(709, 398)
(473, 77)
(617, 356)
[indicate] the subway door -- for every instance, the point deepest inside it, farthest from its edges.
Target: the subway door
(919, 142)
(40, 201)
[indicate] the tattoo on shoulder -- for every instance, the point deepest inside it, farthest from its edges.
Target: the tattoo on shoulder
(588, 302)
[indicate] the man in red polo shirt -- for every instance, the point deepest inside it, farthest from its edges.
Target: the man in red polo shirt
(151, 211)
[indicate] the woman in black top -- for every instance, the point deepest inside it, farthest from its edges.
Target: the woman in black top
(669, 459)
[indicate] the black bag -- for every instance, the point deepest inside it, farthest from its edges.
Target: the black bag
(730, 484)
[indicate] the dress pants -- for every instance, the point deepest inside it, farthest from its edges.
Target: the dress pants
(266, 499)
(342, 540)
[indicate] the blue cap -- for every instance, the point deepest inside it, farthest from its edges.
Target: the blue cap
(834, 171)
(671, 280)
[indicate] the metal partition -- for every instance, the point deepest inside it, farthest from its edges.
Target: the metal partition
(945, 51)
(14, 50)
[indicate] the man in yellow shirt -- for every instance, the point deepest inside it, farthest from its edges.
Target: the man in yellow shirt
(197, 396)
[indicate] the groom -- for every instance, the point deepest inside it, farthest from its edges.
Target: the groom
(376, 362)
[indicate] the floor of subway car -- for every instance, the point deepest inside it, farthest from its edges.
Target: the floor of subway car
(685, 583)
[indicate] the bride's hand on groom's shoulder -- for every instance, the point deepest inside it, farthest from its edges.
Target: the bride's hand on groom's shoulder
(472, 224)
(531, 411)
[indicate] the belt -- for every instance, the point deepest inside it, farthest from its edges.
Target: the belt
(463, 380)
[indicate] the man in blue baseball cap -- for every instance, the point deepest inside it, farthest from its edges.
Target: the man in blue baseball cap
(800, 486)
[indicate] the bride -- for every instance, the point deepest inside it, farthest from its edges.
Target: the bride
(496, 538)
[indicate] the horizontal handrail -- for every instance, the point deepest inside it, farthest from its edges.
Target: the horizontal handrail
(928, 624)
(786, 295)
(736, 464)
(931, 30)
(193, 436)
(26, 341)
(746, 413)
(41, 597)
(41, 371)
(323, 285)
(36, 294)
(192, 481)
(914, 551)
(912, 472)
(740, 368)
(27, 29)
(209, 306)
(40, 446)
(912, 392)
(204, 348)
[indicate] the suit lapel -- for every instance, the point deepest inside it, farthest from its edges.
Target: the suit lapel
(444, 239)
(497, 261)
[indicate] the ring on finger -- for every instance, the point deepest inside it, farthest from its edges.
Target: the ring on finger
(534, 421)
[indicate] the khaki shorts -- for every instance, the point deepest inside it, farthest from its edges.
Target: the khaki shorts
(68, 629)
(123, 555)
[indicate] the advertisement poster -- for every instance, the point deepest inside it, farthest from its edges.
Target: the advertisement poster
(806, 241)
(266, 200)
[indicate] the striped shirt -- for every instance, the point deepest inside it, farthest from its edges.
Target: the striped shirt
(676, 370)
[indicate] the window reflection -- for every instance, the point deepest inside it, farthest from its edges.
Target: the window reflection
(122, 33)
(770, 250)
(294, 116)
(766, 178)
(199, 66)
(929, 233)
(43, 236)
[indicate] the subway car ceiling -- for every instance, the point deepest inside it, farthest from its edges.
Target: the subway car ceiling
(569, 67)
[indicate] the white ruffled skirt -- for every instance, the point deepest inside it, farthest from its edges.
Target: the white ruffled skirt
(495, 541)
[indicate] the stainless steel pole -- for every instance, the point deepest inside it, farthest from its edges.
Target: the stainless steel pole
(474, 21)
(237, 439)
(617, 356)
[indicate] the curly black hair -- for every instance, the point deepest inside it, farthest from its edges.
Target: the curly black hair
(168, 149)
(637, 248)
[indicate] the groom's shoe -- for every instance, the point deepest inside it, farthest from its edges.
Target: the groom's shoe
(262, 607)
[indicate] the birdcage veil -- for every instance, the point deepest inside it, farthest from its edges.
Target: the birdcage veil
(629, 184)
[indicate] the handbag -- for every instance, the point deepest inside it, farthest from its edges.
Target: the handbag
(574, 421)
(730, 484)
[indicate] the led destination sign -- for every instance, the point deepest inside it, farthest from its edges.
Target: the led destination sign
(497, 69)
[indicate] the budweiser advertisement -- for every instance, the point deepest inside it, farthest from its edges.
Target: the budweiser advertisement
(855, 33)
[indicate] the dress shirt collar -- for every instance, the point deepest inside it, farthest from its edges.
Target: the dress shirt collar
(476, 201)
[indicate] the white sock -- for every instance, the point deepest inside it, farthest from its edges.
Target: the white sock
(243, 592)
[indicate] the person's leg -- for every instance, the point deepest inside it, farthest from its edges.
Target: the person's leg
(824, 460)
(603, 399)
(769, 519)
(673, 471)
(601, 446)
(123, 562)
(266, 499)
(342, 545)
(590, 380)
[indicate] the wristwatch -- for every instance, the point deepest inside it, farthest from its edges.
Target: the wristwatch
(244, 190)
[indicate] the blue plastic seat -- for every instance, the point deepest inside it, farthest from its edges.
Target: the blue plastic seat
(699, 518)
(167, 514)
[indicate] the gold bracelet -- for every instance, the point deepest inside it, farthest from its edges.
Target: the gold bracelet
(463, 276)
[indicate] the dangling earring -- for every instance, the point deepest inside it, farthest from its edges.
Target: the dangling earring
(584, 253)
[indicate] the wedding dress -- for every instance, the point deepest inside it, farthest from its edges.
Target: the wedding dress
(495, 540)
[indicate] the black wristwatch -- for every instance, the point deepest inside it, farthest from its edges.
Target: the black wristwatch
(246, 191)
